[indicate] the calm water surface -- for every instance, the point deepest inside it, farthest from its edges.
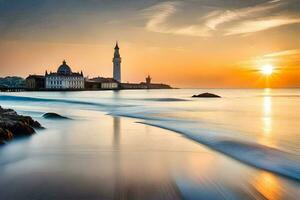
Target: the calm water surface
(242, 146)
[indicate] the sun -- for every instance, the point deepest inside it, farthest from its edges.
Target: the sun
(267, 69)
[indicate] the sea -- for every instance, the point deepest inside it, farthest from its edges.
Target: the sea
(155, 144)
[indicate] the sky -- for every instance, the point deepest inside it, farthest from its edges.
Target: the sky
(187, 43)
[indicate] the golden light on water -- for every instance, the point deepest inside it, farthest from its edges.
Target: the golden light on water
(268, 185)
(267, 116)
(266, 137)
(267, 69)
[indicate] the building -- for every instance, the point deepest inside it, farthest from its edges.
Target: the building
(117, 64)
(145, 85)
(130, 86)
(35, 82)
(64, 79)
(109, 83)
(148, 80)
(101, 83)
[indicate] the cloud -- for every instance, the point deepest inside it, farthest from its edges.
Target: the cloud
(290, 52)
(231, 15)
(161, 13)
(158, 21)
(260, 25)
(217, 20)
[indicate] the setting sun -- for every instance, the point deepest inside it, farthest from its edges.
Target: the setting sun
(267, 69)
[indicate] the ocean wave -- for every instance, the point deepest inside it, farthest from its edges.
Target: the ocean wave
(257, 155)
(250, 153)
(164, 99)
(47, 100)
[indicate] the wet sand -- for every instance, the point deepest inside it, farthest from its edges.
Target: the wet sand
(98, 156)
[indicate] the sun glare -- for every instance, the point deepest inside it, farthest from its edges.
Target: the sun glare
(267, 69)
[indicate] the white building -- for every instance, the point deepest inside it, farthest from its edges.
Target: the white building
(64, 79)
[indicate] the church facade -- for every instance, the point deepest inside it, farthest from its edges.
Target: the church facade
(64, 79)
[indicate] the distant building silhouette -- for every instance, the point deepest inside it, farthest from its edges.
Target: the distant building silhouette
(145, 85)
(101, 83)
(117, 64)
(35, 82)
(64, 79)
(148, 80)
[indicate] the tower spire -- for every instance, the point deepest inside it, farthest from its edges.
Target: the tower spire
(117, 45)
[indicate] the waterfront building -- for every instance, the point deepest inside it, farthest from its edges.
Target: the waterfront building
(35, 82)
(130, 86)
(145, 85)
(101, 83)
(64, 79)
(117, 64)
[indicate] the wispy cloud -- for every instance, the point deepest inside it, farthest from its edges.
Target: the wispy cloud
(260, 25)
(233, 21)
(158, 21)
(222, 16)
(289, 52)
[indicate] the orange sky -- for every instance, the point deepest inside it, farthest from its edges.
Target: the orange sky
(222, 46)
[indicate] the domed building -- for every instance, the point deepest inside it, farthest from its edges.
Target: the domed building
(64, 79)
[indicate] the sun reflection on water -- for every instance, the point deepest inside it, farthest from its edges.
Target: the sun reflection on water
(266, 136)
(268, 185)
(267, 115)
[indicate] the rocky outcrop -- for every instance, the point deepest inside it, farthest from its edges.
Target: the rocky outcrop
(54, 116)
(206, 95)
(13, 125)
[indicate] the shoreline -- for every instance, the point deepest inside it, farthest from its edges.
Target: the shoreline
(242, 161)
(286, 173)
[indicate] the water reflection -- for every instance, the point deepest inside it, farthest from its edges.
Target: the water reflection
(268, 185)
(267, 115)
(116, 129)
(266, 136)
(117, 159)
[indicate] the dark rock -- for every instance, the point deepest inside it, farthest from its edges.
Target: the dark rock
(54, 116)
(206, 95)
(13, 125)
(5, 135)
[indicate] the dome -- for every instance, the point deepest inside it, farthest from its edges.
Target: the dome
(64, 69)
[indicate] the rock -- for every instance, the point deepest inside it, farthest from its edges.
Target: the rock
(13, 125)
(206, 95)
(54, 116)
(5, 135)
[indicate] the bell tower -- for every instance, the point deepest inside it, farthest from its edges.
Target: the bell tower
(117, 64)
